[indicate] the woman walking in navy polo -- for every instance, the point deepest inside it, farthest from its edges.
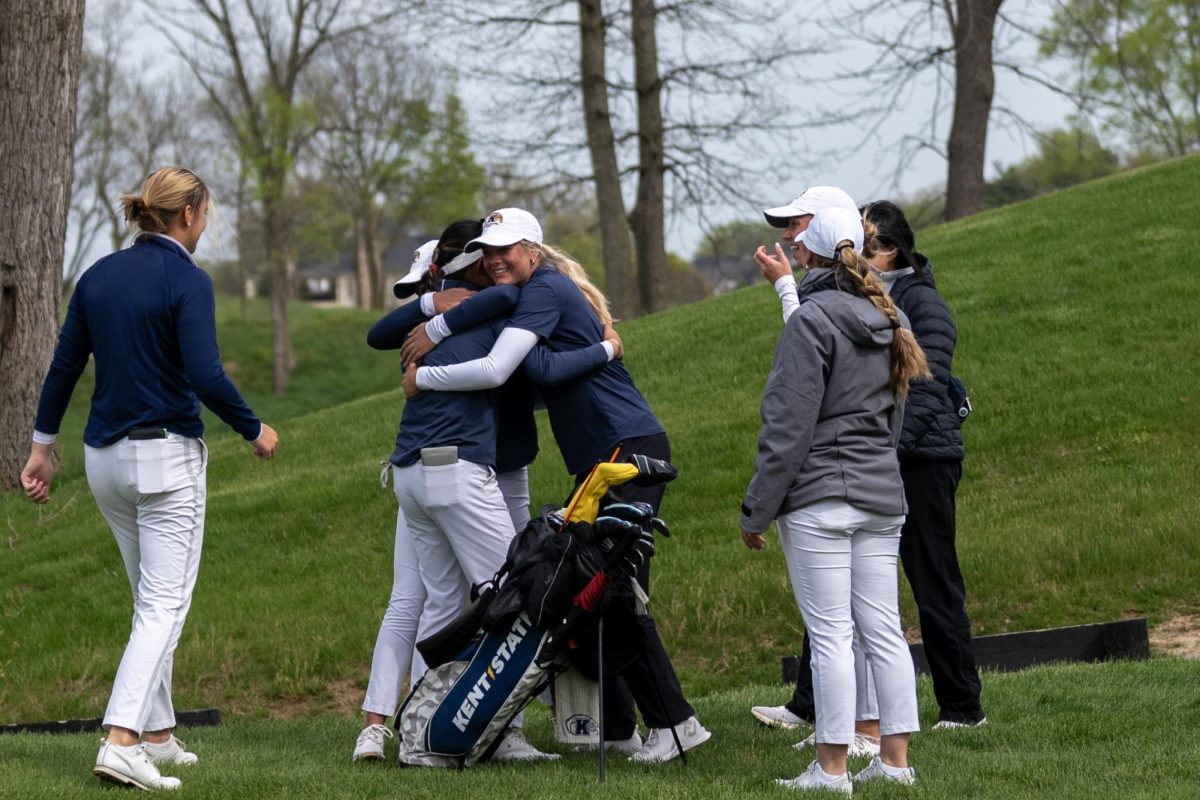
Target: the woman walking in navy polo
(147, 315)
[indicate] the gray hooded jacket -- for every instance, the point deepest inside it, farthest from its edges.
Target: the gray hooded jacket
(830, 420)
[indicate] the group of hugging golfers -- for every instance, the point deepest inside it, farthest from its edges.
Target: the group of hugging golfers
(859, 458)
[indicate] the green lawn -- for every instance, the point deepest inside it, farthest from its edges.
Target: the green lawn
(1078, 327)
(1073, 733)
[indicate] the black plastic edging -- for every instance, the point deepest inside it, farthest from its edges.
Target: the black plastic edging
(203, 716)
(1007, 652)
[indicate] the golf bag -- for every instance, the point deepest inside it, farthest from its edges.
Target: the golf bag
(505, 649)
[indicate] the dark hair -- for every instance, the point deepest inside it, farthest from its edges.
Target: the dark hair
(455, 238)
(887, 230)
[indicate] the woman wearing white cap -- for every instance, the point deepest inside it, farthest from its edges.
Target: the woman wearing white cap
(794, 218)
(597, 417)
(833, 405)
(442, 263)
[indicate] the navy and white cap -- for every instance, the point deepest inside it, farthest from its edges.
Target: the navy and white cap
(814, 199)
(830, 227)
(505, 227)
(422, 259)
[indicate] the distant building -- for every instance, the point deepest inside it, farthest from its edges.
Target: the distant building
(334, 284)
(728, 272)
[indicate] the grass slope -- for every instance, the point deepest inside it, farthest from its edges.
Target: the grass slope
(1053, 732)
(1077, 320)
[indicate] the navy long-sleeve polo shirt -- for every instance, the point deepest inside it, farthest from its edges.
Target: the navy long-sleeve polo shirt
(147, 314)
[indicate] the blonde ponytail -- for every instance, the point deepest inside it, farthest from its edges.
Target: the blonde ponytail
(908, 359)
(568, 266)
(165, 194)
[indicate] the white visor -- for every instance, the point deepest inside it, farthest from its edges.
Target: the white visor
(461, 262)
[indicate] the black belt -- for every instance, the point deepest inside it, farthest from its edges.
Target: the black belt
(138, 434)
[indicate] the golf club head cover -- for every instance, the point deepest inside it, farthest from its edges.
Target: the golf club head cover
(609, 529)
(640, 513)
(651, 471)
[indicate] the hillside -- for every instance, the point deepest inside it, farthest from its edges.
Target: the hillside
(1078, 327)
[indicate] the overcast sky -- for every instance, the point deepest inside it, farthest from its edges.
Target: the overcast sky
(870, 174)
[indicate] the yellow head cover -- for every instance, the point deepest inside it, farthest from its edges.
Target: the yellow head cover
(585, 503)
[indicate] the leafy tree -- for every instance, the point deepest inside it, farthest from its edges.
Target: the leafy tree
(1139, 66)
(373, 107)
(450, 180)
(128, 125)
(1064, 158)
(735, 239)
(250, 57)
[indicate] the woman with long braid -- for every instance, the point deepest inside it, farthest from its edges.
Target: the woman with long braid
(827, 472)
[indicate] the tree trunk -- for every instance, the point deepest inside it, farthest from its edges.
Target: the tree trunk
(375, 252)
(648, 214)
(280, 282)
(242, 202)
(615, 245)
(974, 84)
(40, 48)
(362, 262)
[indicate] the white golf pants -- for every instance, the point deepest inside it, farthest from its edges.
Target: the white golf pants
(866, 703)
(395, 646)
(152, 494)
(843, 568)
(514, 485)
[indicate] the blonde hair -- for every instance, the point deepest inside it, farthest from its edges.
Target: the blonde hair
(908, 359)
(165, 194)
(562, 262)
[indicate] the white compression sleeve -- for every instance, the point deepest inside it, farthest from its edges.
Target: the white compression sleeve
(785, 287)
(488, 372)
(427, 304)
(436, 329)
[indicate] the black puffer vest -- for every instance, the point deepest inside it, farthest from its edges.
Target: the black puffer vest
(932, 428)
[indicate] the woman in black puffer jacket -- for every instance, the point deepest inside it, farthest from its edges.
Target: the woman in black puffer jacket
(931, 454)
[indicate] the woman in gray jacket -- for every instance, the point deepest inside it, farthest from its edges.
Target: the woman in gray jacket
(827, 472)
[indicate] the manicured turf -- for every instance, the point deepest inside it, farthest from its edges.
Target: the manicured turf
(1071, 733)
(1078, 332)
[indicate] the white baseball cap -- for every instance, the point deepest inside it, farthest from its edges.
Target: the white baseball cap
(505, 227)
(814, 199)
(829, 227)
(420, 265)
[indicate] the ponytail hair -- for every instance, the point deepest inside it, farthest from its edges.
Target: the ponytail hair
(908, 359)
(560, 261)
(164, 196)
(888, 233)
